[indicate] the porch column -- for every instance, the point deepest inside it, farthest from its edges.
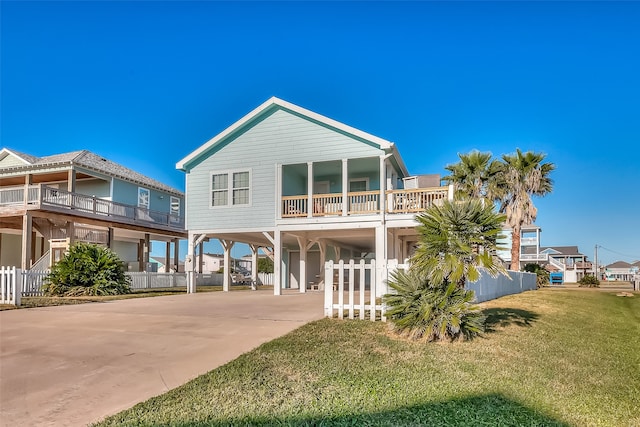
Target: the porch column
(167, 260)
(310, 206)
(381, 259)
(254, 264)
(382, 181)
(71, 180)
(27, 227)
(176, 254)
(277, 262)
(345, 187)
(140, 254)
(189, 265)
(226, 245)
(110, 237)
(28, 180)
(146, 250)
(302, 243)
(200, 256)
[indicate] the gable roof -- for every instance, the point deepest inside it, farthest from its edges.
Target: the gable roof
(563, 250)
(274, 103)
(88, 160)
(619, 264)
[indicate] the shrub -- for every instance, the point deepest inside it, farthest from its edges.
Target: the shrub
(542, 275)
(87, 269)
(589, 281)
(421, 310)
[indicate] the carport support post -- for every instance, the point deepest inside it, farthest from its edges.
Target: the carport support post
(277, 262)
(254, 266)
(176, 255)
(227, 245)
(381, 259)
(302, 243)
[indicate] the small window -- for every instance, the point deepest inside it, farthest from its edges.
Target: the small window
(144, 195)
(231, 189)
(175, 206)
(359, 184)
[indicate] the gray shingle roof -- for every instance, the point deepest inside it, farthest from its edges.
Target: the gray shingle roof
(564, 250)
(92, 161)
(619, 264)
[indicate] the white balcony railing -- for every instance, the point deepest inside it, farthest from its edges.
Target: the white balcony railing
(41, 197)
(363, 202)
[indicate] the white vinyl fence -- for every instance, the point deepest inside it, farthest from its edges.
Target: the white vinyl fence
(10, 284)
(351, 290)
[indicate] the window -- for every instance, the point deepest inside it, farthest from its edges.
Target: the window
(144, 195)
(359, 184)
(175, 206)
(230, 189)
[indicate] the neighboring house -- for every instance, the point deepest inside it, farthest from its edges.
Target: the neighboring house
(621, 270)
(305, 189)
(162, 265)
(565, 259)
(47, 203)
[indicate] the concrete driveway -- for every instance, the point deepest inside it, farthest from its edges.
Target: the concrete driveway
(73, 365)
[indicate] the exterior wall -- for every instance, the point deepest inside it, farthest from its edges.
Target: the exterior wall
(94, 187)
(11, 161)
(10, 246)
(127, 251)
(127, 193)
(488, 288)
(281, 138)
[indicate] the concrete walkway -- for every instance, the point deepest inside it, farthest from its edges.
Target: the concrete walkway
(73, 365)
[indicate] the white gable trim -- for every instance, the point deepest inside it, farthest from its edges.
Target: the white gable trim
(6, 152)
(383, 143)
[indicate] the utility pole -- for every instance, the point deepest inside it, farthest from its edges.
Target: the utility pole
(595, 259)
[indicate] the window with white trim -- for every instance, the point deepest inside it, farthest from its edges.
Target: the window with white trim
(144, 196)
(359, 184)
(175, 206)
(231, 188)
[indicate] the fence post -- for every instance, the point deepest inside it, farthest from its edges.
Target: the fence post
(328, 289)
(372, 291)
(17, 280)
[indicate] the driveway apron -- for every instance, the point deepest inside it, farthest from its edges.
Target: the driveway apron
(76, 364)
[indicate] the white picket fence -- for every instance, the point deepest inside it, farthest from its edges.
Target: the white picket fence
(359, 282)
(10, 285)
(352, 288)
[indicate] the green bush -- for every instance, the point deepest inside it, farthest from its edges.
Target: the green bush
(542, 275)
(441, 312)
(87, 269)
(589, 281)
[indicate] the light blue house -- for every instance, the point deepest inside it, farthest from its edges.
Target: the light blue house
(47, 203)
(305, 189)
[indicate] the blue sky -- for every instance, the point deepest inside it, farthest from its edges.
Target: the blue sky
(146, 83)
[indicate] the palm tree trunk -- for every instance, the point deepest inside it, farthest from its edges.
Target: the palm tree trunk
(515, 248)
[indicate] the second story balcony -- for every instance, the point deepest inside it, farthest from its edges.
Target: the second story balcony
(407, 201)
(44, 198)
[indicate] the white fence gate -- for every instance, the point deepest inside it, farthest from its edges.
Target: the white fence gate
(10, 285)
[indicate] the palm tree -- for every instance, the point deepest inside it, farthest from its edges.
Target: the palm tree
(430, 300)
(521, 176)
(473, 176)
(457, 238)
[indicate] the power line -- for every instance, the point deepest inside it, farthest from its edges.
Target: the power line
(619, 253)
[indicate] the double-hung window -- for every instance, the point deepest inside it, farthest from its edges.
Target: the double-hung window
(231, 188)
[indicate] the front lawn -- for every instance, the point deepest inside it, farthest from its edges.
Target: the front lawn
(550, 357)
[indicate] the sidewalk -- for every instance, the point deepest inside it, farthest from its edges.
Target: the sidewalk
(73, 365)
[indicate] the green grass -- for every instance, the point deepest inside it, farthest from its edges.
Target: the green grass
(549, 358)
(32, 302)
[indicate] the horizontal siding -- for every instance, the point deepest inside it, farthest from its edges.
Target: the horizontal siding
(11, 161)
(282, 138)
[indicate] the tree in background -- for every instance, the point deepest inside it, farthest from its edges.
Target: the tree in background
(474, 175)
(521, 176)
(265, 265)
(87, 269)
(511, 182)
(542, 275)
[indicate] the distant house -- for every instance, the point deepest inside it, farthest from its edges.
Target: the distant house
(304, 189)
(621, 270)
(48, 203)
(162, 265)
(565, 259)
